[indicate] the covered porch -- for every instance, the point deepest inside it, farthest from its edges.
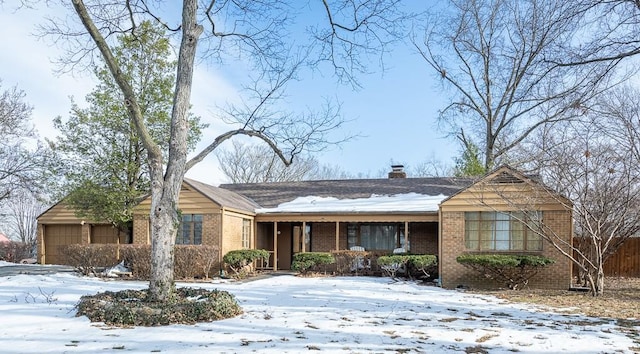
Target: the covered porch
(286, 235)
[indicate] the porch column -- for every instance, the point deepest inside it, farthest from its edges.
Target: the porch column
(337, 235)
(275, 246)
(304, 236)
(406, 236)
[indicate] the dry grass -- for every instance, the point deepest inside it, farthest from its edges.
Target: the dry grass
(621, 299)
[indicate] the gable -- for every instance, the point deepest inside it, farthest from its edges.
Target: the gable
(191, 202)
(506, 189)
(197, 197)
(59, 213)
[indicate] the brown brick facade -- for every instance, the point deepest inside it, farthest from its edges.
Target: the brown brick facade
(141, 229)
(323, 236)
(211, 234)
(423, 238)
(453, 274)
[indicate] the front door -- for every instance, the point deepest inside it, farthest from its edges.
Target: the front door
(284, 246)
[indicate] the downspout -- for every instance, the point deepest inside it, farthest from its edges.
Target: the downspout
(439, 280)
(221, 231)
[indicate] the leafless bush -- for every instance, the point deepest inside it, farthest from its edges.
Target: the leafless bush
(189, 261)
(14, 251)
(88, 258)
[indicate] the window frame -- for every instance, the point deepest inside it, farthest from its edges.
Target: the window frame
(502, 231)
(246, 234)
(194, 231)
(355, 234)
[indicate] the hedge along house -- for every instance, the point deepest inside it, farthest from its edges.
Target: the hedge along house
(442, 216)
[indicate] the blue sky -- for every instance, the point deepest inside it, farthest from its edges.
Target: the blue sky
(394, 113)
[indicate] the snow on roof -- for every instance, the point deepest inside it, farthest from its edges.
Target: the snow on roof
(410, 202)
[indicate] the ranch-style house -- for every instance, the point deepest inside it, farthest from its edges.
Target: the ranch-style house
(442, 216)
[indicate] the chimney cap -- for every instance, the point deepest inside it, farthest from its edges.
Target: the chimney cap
(397, 171)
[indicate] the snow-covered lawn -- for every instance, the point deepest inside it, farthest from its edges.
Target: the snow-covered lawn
(287, 314)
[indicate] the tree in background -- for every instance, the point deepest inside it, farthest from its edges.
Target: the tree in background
(601, 177)
(246, 163)
(609, 33)
(259, 34)
(23, 161)
(21, 213)
(104, 160)
(469, 164)
(497, 57)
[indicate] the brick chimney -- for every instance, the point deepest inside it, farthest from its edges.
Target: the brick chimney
(397, 171)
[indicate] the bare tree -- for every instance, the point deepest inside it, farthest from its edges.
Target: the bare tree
(230, 30)
(495, 56)
(609, 33)
(585, 165)
(619, 118)
(22, 211)
(246, 163)
(21, 166)
(431, 167)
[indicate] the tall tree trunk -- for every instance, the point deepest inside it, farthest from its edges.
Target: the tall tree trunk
(165, 187)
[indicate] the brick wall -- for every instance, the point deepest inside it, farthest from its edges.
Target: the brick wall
(452, 274)
(323, 236)
(210, 229)
(140, 229)
(423, 237)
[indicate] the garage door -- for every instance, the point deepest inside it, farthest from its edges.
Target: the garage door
(104, 234)
(59, 235)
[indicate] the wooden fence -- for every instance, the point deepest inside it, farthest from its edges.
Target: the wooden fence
(625, 262)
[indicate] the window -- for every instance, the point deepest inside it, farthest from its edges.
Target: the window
(501, 231)
(190, 230)
(246, 233)
(376, 236)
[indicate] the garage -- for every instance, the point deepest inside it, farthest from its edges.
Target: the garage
(105, 234)
(59, 235)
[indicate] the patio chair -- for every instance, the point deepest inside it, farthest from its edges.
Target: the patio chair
(359, 262)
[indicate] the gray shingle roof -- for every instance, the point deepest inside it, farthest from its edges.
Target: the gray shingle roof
(270, 195)
(224, 197)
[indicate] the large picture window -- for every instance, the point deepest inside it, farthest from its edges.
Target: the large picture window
(190, 230)
(502, 231)
(376, 236)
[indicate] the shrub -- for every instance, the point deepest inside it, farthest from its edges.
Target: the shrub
(347, 261)
(303, 262)
(405, 263)
(425, 264)
(240, 261)
(130, 308)
(86, 259)
(14, 251)
(514, 270)
(190, 261)
(195, 261)
(138, 259)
